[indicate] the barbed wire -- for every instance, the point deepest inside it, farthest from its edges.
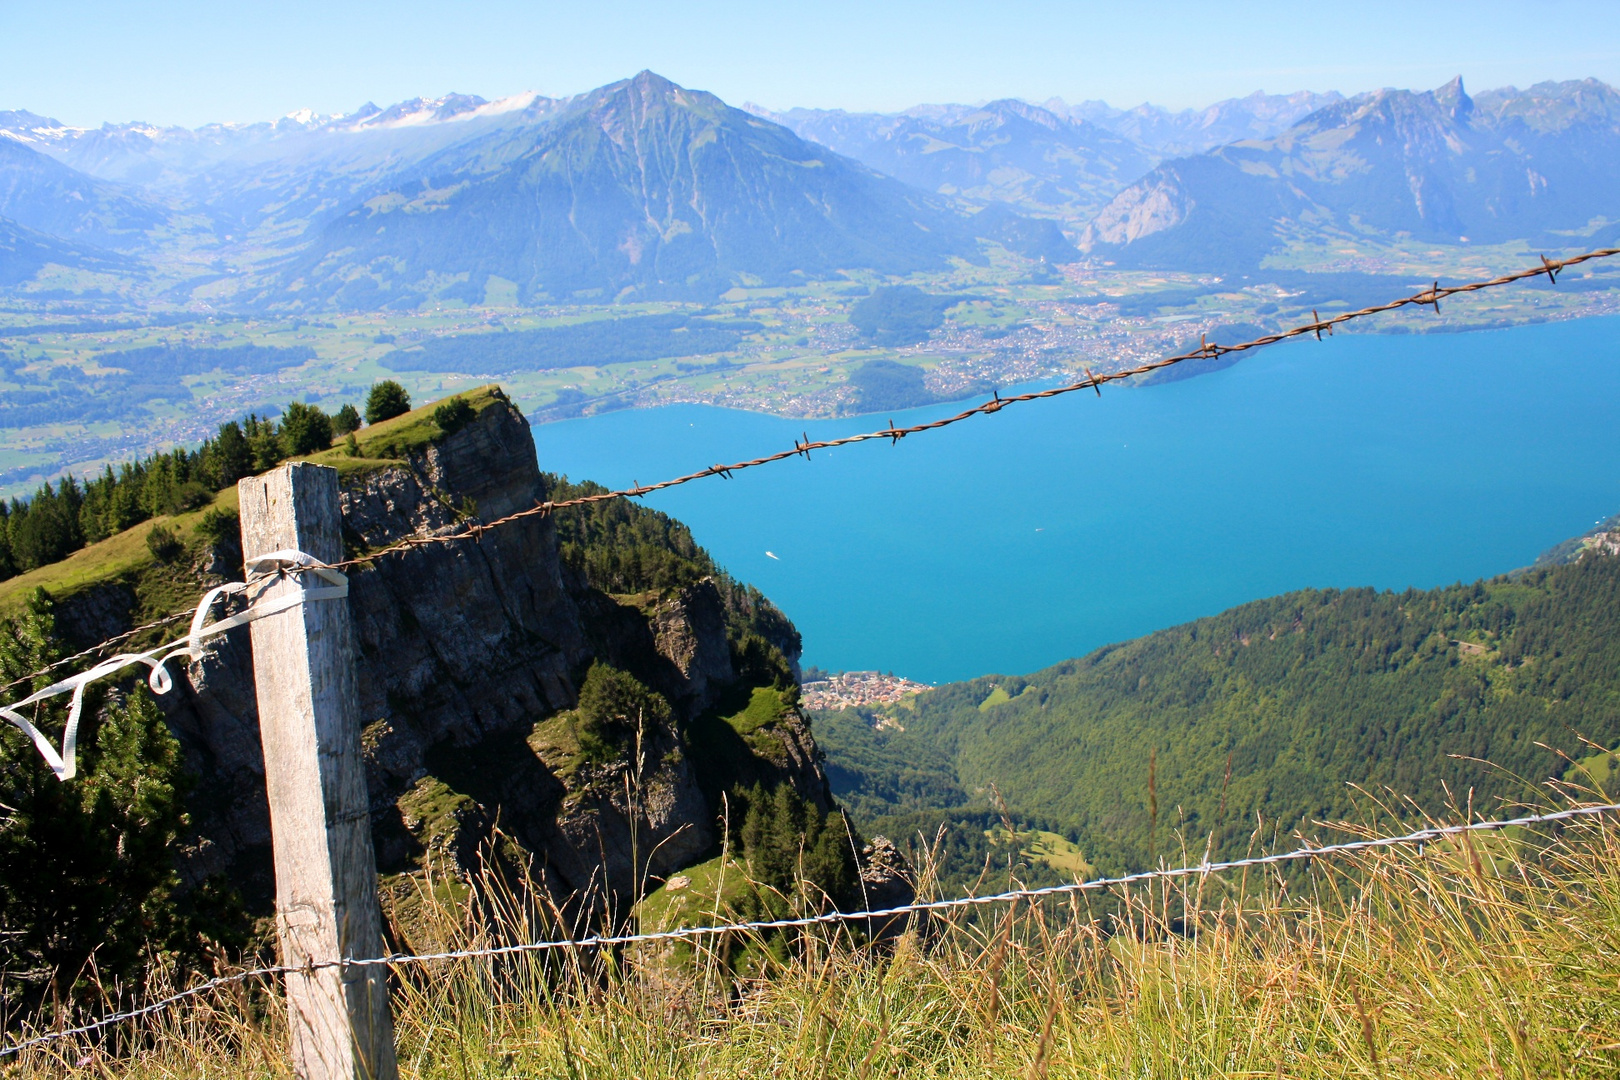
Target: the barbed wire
(63, 762)
(1207, 350)
(161, 1005)
(92, 650)
(1419, 838)
(1549, 268)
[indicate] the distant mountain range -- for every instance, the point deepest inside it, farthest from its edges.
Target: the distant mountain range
(42, 194)
(645, 189)
(1054, 158)
(24, 253)
(1004, 152)
(1437, 166)
(274, 175)
(641, 185)
(1192, 131)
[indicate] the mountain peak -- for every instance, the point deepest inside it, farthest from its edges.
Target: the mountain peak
(687, 196)
(646, 94)
(647, 81)
(1023, 110)
(1452, 96)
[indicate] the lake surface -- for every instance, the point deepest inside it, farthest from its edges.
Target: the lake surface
(1013, 541)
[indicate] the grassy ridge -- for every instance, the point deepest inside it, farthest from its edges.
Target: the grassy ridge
(126, 559)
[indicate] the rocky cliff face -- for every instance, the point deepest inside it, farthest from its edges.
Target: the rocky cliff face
(471, 656)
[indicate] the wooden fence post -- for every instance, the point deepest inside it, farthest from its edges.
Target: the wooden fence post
(309, 722)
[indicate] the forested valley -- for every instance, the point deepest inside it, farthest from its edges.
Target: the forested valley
(1242, 729)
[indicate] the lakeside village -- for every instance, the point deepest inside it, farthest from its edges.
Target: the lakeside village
(848, 689)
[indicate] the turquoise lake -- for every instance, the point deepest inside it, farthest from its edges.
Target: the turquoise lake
(1013, 541)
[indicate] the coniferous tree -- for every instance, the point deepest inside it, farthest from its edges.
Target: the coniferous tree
(793, 848)
(613, 706)
(86, 864)
(230, 457)
(345, 420)
(264, 438)
(305, 429)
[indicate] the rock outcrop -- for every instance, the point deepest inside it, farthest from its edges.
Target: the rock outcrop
(470, 659)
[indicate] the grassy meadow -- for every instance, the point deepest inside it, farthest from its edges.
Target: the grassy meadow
(1486, 957)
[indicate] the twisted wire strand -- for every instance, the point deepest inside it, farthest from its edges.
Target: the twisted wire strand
(94, 649)
(1208, 350)
(1431, 297)
(1550, 268)
(1419, 838)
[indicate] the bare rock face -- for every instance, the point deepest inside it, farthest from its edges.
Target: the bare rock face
(689, 629)
(469, 653)
(886, 883)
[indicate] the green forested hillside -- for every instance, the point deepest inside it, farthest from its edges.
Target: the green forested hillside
(1272, 710)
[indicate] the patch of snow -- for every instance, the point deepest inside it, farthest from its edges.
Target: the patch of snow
(511, 103)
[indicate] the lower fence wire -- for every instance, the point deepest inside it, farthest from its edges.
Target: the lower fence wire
(1207, 350)
(1418, 839)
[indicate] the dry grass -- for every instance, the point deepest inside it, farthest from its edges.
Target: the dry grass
(1501, 960)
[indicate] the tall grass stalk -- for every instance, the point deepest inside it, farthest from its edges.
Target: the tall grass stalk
(1490, 957)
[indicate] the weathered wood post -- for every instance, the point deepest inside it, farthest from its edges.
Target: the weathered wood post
(309, 722)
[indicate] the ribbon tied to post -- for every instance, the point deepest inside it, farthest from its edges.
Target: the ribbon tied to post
(261, 571)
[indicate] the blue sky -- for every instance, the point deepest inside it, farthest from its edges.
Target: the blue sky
(191, 63)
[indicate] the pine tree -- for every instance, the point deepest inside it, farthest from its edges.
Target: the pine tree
(86, 865)
(304, 429)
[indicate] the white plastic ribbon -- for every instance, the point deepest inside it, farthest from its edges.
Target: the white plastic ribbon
(258, 570)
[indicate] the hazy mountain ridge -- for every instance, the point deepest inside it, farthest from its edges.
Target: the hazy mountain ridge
(649, 187)
(278, 176)
(24, 253)
(1192, 131)
(1437, 166)
(46, 196)
(1007, 151)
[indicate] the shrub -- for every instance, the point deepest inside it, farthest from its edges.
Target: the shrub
(387, 400)
(189, 496)
(345, 420)
(454, 415)
(305, 429)
(613, 705)
(220, 525)
(351, 445)
(164, 543)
